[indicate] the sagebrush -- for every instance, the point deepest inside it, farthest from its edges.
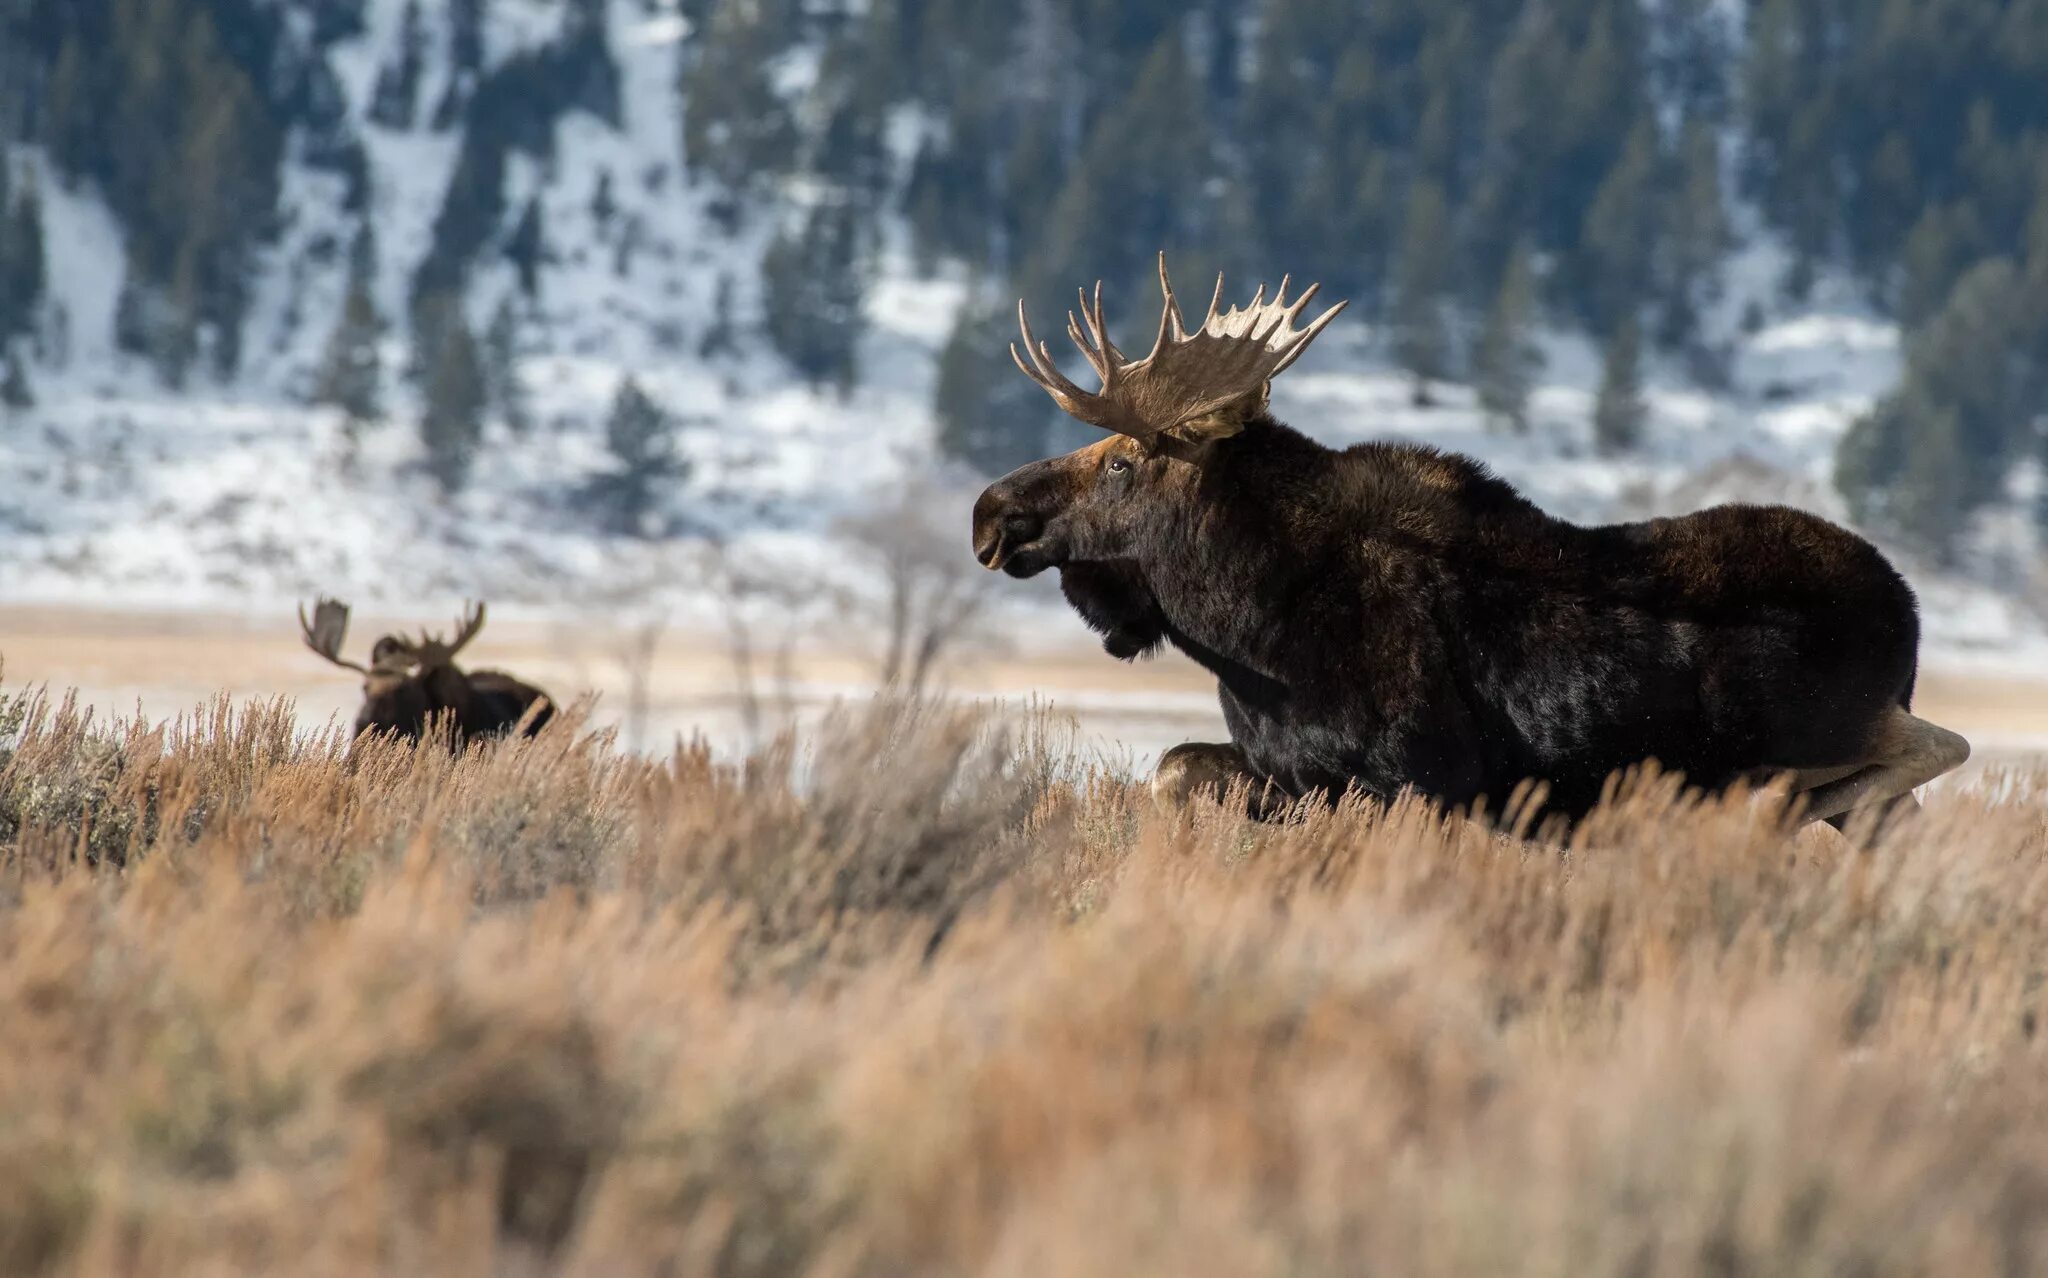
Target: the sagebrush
(929, 993)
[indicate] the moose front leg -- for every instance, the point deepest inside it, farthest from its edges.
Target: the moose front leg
(1218, 770)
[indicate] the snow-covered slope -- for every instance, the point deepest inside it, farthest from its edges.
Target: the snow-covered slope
(236, 496)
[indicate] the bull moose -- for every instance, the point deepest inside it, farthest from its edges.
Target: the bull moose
(410, 681)
(1389, 615)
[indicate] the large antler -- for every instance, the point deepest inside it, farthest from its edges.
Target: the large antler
(326, 631)
(1187, 376)
(432, 650)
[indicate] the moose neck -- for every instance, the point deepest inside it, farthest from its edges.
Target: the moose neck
(1244, 545)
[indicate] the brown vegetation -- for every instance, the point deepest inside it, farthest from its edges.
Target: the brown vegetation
(930, 995)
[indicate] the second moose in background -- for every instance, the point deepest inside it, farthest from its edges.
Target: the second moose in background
(409, 683)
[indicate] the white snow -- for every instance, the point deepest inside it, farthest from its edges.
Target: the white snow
(235, 497)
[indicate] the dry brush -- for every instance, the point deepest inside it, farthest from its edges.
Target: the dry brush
(932, 994)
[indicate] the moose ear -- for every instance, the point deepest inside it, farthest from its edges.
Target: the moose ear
(1197, 433)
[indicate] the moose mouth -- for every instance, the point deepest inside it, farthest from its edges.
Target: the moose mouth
(1025, 560)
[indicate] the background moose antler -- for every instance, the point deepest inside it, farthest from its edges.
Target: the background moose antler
(326, 632)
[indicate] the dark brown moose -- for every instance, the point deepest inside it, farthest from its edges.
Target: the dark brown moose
(409, 682)
(1390, 616)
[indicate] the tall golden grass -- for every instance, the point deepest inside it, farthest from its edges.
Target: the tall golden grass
(930, 994)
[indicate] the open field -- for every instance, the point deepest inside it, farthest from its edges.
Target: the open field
(167, 663)
(960, 1002)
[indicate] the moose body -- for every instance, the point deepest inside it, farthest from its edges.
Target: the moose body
(1388, 617)
(410, 684)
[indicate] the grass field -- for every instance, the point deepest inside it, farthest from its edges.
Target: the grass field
(931, 994)
(167, 663)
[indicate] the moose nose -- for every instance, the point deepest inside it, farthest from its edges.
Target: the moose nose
(998, 528)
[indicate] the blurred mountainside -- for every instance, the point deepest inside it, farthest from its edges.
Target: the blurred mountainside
(406, 296)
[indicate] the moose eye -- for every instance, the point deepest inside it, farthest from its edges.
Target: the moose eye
(1119, 466)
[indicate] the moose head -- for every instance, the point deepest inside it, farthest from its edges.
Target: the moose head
(1166, 413)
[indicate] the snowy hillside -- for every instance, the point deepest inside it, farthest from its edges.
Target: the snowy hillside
(241, 496)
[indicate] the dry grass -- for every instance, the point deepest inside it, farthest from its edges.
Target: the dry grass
(929, 996)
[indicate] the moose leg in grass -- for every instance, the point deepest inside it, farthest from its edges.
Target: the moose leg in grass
(409, 682)
(1388, 617)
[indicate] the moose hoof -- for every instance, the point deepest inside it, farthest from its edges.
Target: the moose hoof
(1197, 767)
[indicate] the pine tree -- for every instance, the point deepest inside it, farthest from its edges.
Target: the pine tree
(1946, 241)
(1507, 361)
(1696, 237)
(1943, 444)
(23, 272)
(395, 100)
(721, 334)
(466, 35)
(528, 247)
(1692, 52)
(465, 60)
(456, 396)
(1619, 412)
(989, 418)
(1617, 242)
(15, 395)
(641, 437)
(1142, 183)
(501, 370)
(1421, 291)
(351, 373)
(813, 289)
(736, 129)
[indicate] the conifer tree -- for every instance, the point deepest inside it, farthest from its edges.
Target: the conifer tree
(351, 372)
(989, 418)
(1696, 237)
(737, 131)
(528, 246)
(1140, 184)
(814, 290)
(1507, 360)
(1421, 291)
(456, 395)
(23, 271)
(1619, 412)
(1618, 240)
(640, 435)
(721, 335)
(501, 370)
(15, 394)
(394, 102)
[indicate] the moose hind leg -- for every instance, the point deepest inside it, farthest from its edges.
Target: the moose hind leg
(1911, 752)
(1201, 767)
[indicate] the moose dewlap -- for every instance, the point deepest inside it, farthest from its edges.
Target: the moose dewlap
(1389, 616)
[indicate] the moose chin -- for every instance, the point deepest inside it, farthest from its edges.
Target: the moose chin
(1389, 617)
(410, 684)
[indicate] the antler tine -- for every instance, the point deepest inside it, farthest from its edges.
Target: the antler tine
(1079, 338)
(1309, 334)
(326, 630)
(1215, 303)
(1111, 356)
(1172, 324)
(1301, 303)
(1047, 374)
(472, 622)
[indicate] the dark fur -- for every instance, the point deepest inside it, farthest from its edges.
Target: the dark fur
(1390, 616)
(483, 703)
